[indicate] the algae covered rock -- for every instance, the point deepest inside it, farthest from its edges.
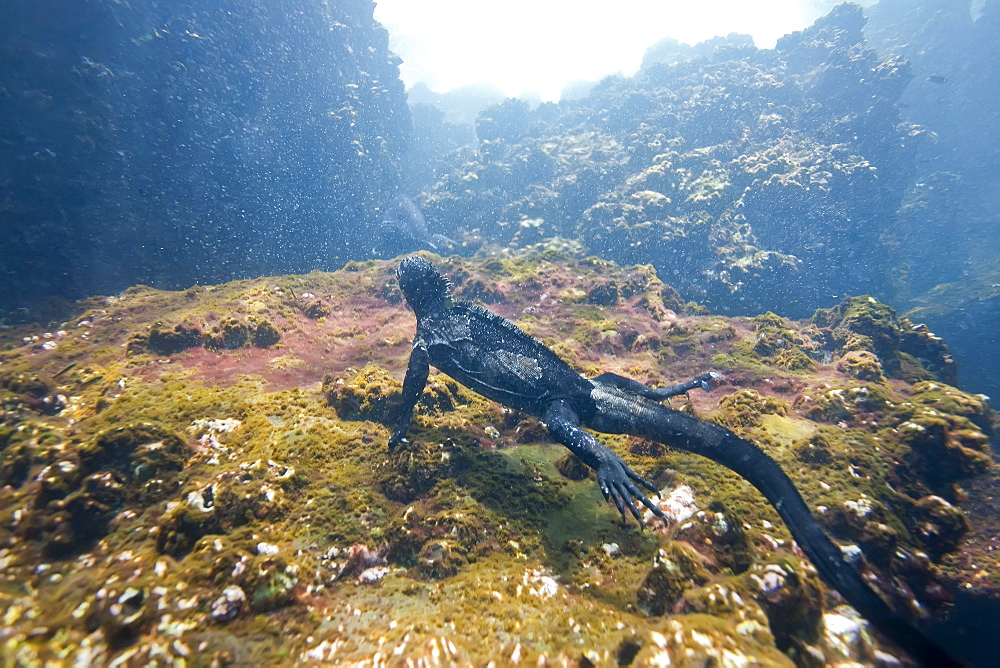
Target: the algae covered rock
(210, 494)
(138, 452)
(271, 583)
(165, 340)
(675, 569)
(745, 408)
(864, 333)
(792, 597)
(372, 394)
(416, 467)
(862, 364)
(231, 333)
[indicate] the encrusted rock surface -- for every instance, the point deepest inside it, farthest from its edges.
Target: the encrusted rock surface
(238, 504)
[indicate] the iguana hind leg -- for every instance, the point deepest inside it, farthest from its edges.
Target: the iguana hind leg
(657, 393)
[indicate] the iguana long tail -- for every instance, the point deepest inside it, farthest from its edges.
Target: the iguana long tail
(656, 422)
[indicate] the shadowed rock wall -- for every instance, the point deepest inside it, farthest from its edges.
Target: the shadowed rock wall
(174, 143)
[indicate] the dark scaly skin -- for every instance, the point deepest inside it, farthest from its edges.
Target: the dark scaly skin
(490, 355)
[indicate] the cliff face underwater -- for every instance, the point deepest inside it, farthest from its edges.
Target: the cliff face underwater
(765, 179)
(203, 476)
(753, 179)
(184, 142)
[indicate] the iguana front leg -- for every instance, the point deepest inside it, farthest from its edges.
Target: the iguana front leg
(413, 387)
(616, 479)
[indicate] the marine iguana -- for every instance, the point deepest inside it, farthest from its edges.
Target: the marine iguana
(492, 356)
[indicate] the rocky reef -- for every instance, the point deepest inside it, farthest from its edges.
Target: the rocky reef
(754, 179)
(202, 477)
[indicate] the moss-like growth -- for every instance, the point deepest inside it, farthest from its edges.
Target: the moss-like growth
(270, 583)
(572, 467)
(441, 558)
(743, 409)
(940, 525)
(216, 472)
(230, 334)
(138, 452)
(415, 468)
(865, 325)
(675, 569)
(791, 595)
(263, 334)
(944, 449)
(862, 365)
(166, 340)
(818, 449)
(372, 394)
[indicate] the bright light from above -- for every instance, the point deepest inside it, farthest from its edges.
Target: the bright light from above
(541, 45)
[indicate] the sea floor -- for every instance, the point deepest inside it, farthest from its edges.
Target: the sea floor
(202, 478)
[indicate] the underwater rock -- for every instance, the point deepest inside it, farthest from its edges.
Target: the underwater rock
(940, 525)
(573, 468)
(263, 334)
(792, 597)
(76, 496)
(80, 519)
(358, 559)
(817, 449)
(415, 468)
(17, 455)
(778, 341)
(862, 365)
(605, 294)
(189, 476)
(121, 611)
(232, 333)
(746, 407)
(184, 522)
(870, 329)
(271, 583)
(29, 391)
(165, 340)
(720, 535)
(139, 453)
(841, 405)
(253, 492)
(372, 394)
(943, 449)
(675, 569)
(441, 558)
(700, 179)
(315, 309)
(229, 604)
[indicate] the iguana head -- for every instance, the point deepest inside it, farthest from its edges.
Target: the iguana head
(426, 290)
